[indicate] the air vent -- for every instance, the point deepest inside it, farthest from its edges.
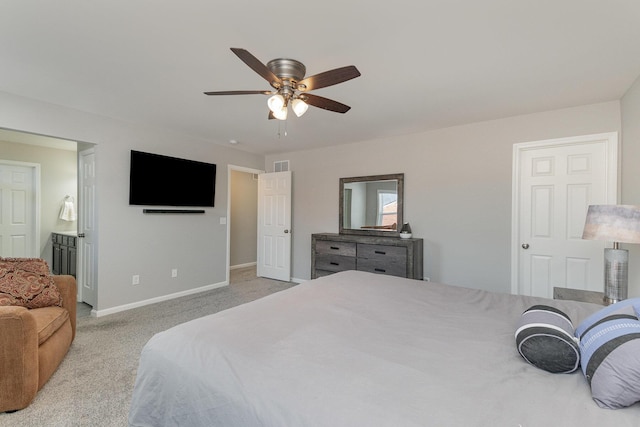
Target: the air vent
(281, 166)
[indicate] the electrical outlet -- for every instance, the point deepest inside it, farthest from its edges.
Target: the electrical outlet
(174, 272)
(135, 280)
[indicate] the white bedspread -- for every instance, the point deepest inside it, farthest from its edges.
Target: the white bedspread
(359, 349)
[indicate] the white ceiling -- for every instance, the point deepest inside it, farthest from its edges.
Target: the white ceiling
(425, 64)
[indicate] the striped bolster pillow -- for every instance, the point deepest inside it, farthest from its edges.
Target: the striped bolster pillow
(610, 347)
(544, 338)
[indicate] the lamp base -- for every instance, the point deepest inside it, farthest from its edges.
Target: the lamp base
(616, 275)
(609, 301)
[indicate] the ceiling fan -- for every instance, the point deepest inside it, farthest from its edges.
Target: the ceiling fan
(286, 76)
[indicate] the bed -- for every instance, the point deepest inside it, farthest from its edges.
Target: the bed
(362, 349)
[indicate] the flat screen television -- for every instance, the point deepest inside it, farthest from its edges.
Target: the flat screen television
(157, 180)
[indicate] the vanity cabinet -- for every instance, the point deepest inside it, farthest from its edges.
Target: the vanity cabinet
(331, 253)
(64, 254)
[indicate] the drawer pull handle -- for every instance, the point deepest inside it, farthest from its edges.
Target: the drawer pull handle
(381, 252)
(335, 248)
(334, 263)
(381, 270)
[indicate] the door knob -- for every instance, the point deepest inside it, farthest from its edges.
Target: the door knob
(286, 231)
(525, 246)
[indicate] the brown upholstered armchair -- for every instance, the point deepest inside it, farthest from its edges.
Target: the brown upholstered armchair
(33, 342)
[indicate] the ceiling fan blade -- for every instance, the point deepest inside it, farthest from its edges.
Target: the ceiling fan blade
(257, 66)
(325, 103)
(328, 78)
(241, 92)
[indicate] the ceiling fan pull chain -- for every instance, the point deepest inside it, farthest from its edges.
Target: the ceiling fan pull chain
(280, 123)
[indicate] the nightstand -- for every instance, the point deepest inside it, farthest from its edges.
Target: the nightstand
(579, 295)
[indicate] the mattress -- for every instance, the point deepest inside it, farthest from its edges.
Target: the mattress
(362, 349)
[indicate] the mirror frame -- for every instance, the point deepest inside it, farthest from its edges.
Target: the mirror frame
(396, 176)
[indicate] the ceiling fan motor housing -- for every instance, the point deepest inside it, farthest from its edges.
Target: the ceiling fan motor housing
(287, 69)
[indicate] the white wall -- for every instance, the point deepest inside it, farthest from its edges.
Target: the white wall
(129, 241)
(631, 172)
(457, 188)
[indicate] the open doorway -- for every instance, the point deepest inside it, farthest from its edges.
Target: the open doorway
(242, 214)
(58, 161)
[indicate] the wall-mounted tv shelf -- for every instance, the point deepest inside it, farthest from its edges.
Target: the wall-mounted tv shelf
(173, 211)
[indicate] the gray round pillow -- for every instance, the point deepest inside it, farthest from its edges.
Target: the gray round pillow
(544, 338)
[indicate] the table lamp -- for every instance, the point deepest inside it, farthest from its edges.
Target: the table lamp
(617, 224)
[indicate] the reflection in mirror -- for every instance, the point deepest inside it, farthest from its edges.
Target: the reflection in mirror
(371, 204)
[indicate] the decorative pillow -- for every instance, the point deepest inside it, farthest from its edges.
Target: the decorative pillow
(628, 308)
(544, 338)
(611, 361)
(26, 282)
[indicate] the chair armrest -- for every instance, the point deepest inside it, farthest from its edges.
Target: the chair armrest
(18, 358)
(69, 291)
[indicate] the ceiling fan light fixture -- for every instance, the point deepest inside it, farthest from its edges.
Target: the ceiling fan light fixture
(299, 107)
(281, 114)
(276, 103)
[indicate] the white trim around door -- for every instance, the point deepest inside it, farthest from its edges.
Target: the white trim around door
(553, 183)
(228, 219)
(31, 205)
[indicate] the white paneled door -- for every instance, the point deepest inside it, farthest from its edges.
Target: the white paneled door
(87, 271)
(19, 209)
(274, 225)
(554, 183)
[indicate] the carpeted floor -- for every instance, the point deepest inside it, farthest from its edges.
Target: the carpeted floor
(93, 385)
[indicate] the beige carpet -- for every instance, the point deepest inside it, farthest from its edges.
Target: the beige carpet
(93, 385)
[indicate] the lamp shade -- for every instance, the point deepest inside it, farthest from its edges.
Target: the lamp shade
(275, 103)
(281, 114)
(299, 107)
(613, 223)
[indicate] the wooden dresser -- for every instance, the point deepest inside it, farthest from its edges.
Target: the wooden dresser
(331, 253)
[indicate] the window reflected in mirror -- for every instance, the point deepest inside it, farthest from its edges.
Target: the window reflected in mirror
(371, 205)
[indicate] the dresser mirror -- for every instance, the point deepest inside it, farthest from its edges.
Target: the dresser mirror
(371, 205)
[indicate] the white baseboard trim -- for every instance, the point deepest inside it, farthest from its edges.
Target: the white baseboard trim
(125, 307)
(237, 266)
(296, 280)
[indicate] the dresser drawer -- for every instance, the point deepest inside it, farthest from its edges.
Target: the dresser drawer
(336, 248)
(381, 252)
(335, 263)
(387, 267)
